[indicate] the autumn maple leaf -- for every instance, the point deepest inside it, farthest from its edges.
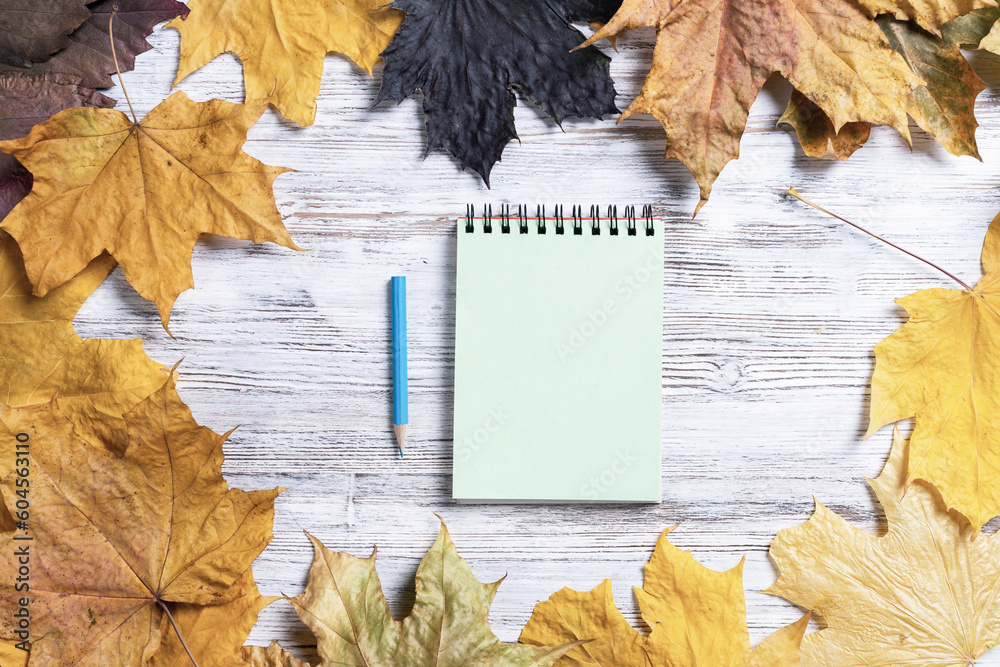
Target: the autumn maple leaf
(924, 593)
(697, 616)
(95, 381)
(116, 536)
(214, 634)
(32, 30)
(943, 367)
(344, 607)
(27, 101)
(468, 56)
(142, 191)
(282, 43)
(711, 60)
(943, 107)
(87, 53)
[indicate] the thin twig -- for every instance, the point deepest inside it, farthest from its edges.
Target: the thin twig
(114, 55)
(958, 280)
(179, 636)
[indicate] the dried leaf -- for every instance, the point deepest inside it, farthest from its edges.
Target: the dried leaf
(142, 192)
(711, 60)
(467, 56)
(922, 594)
(113, 535)
(697, 616)
(943, 107)
(282, 43)
(87, 55)
(272, 656)
(991, 42)
(816, 133)
(943, 367)
(344, 606)
(27, 101)
(11, 656)
(32, 30)
(931, 15)
(214, 634)
(94, 381)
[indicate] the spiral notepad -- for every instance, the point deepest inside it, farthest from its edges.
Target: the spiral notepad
(557, 357)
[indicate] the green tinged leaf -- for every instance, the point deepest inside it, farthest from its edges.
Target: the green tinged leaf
(943, 107)
(344, 606)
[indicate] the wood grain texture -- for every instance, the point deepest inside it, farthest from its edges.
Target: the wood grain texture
(761, 411)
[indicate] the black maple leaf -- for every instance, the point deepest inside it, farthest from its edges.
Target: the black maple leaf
(467, 56)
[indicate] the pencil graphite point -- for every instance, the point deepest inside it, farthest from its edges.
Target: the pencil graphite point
(400, 436)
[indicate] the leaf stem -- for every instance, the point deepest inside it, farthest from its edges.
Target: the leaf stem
(179, 635)
(958, 280)
(114, 55)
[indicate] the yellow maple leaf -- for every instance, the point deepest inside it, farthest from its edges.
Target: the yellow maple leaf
(142, 191)
(943, 367)
(697, 616)
(711, 60)
(282, 43)
(11, 656)
(924, 593)
(96, 381)
(214, 634)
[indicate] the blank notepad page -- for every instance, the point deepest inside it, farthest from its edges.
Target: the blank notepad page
(557, 362)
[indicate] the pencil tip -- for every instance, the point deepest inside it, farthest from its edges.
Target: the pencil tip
(400, 430)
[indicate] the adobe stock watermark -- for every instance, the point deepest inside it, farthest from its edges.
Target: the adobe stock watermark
(22, 550)
(598, 486)
(481, 436)
(624, 289)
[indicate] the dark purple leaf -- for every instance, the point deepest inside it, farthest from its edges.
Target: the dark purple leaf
(27, 101)
(32, 30)
(88, 52)
(467, 56)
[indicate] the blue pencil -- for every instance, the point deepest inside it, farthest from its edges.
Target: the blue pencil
(400, 400)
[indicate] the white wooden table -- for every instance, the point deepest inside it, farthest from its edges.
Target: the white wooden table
(771, 312)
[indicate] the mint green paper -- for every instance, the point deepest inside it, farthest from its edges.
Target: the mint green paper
(557, 365)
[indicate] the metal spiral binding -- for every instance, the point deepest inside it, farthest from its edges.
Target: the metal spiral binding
(559, 219)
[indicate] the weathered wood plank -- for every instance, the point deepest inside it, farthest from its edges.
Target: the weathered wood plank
(760, 410)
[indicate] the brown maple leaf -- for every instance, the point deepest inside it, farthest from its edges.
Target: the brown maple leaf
(141, 191)
(711, 60)
(113, 538)
(32, 30)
